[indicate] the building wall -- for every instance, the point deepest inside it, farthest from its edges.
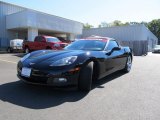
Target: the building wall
(16, 21)
(122, 33)
(150, 37)
(42, 21)
(6, 9)
(125, 33)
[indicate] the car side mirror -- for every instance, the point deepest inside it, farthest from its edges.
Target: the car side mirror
(116, 48)
(111, 51)
(108, 52)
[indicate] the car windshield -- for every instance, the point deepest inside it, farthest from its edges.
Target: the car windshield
(157, 46)
(96, 45)
(52, 39)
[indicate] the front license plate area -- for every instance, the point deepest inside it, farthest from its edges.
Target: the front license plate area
(26, 72)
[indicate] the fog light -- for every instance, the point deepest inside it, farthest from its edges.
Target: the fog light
(57, 80)
(52, 80)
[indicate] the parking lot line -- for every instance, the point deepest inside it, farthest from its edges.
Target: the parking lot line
(8, 61)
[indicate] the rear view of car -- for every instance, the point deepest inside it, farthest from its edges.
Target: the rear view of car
(15, 45)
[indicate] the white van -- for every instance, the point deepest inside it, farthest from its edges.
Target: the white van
(15, 45)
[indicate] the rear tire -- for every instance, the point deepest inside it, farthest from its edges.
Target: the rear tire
(85, 78)
(128, 64)
(9, 50)
(27, 50)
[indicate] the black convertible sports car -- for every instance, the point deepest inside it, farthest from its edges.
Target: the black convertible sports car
(78, 64)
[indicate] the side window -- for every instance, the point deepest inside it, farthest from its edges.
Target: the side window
(112, 44)
(38, 39)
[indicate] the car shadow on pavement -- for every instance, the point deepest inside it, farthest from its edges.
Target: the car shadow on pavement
(37, 97)
(101, 82)
(41, 97)
(19, 54)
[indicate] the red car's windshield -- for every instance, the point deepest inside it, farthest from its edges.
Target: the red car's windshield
(52, 39)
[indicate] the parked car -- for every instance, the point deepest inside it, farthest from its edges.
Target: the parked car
(43, 42)
(79, 63)
(15, 45)
(156, 49)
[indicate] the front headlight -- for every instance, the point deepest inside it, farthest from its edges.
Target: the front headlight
(25, 57)
(65, 61)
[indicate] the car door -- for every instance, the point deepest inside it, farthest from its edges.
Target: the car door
(42, 43)
(36, 43)
(114, 57)
(39, 43)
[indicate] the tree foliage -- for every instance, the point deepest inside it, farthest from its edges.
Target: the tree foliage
(87, 25)
(154, 27)
(104, 24)
(117, 23)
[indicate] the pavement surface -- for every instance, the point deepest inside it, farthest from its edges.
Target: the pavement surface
(132, 96)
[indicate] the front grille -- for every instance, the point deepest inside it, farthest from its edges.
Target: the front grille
(40, 80)
(38, 76)
(38, 73)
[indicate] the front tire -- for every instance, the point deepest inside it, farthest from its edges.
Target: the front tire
(128, 64)
(85, 78)
(48, 48)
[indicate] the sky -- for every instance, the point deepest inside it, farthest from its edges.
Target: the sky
(96, 11)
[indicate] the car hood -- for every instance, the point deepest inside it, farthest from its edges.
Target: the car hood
(51, 55)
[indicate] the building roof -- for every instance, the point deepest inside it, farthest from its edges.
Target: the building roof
(37, 11)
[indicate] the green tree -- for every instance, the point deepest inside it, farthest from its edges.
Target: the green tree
(87, 25)
(154, 27)
(117, 23)
(104, 24)
(126, 23)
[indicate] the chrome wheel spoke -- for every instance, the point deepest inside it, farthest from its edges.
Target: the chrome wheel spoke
(129, 63)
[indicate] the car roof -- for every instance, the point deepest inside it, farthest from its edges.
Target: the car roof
(47, 36)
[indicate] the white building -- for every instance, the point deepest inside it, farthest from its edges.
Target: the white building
(125, 33)
(24, 23)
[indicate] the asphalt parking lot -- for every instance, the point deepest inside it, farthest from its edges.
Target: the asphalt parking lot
(132, 96)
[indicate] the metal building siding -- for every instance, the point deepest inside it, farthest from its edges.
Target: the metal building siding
(123, 33)
(6, 9)
(138, 37)
(56, 23)
(150, 37)
(42, 21)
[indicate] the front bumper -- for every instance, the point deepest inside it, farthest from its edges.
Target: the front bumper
(17, 47)
(54, 79)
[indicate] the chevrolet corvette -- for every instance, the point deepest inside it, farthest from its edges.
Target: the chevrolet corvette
(78, 64)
